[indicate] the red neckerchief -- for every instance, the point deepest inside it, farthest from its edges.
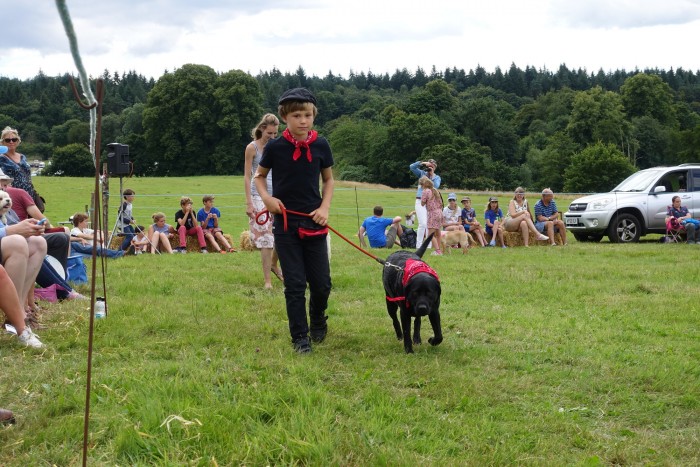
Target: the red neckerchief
(313, 134)
(412, 267)
(415, 266)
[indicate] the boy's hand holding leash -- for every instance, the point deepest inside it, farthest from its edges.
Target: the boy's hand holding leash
(273, 205)
(320, 215)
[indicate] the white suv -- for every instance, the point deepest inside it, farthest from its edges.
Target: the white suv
(635, 207)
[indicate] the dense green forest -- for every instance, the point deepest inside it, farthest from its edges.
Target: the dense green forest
(568, 130)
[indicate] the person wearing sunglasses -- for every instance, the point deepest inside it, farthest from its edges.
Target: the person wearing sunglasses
(15, 165)
(520, 219)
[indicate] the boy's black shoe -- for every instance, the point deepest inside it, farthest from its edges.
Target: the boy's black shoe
(302, 345)
(319, 329)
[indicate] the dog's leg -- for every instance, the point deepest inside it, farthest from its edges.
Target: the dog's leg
(391, 308)
(416, 331)
(437, 329)
(406, 326)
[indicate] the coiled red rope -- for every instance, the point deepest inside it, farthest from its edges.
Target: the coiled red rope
(264, 216)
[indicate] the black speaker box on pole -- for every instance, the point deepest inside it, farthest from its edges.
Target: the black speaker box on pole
(118, 159)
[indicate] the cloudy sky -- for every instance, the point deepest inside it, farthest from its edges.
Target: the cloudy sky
(151, 36)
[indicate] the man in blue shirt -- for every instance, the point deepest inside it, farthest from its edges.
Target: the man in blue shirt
(375, 228)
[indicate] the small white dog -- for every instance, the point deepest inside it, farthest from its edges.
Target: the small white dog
(5, 205)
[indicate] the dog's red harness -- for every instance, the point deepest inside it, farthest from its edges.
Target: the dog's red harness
(412, 267)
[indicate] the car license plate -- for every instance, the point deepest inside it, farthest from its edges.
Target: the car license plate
(572, 221)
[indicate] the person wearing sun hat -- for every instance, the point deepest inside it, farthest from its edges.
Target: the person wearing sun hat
(298, 159)
(450, 214)
(424, 169)
(494, 219)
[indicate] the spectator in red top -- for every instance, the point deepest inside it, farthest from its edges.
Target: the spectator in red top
(23, 205)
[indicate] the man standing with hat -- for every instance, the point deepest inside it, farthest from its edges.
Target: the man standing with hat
(424, 169)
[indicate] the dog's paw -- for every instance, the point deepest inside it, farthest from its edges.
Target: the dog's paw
(408, 349)
(417, 340)
(435, 340)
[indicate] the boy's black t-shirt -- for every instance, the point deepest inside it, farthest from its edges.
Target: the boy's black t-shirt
(296, 182)
(189, 223)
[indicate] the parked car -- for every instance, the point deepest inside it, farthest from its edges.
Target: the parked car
(636, 207)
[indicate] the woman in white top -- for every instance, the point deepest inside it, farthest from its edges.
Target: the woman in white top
(261, 235)
(519, 218)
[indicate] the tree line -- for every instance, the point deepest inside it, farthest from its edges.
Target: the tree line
(568, 130)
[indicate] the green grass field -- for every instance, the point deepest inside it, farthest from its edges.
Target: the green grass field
(580, 355)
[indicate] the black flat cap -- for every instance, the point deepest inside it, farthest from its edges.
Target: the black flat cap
(297, 94)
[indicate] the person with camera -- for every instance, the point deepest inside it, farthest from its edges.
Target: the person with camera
(424, 169)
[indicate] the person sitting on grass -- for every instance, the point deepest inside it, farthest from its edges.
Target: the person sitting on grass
(208, 217)
(140, 241)
(375, 228)
(160, 234)
(82, 238)
(186, 222)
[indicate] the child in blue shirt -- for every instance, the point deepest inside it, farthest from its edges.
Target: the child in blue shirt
(469, 221)
(494, 218)
(208, 217)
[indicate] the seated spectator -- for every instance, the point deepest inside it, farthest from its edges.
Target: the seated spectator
(80, 229)
(48, 276)
(680, 215)
(451, 214)
(22, 250)
(12, 307)
(547, 217)
(376, 229)
(57, 239)
(160, 233)
(82, 239)
(520, 219)
(209, 216)
(140, 242)
(469, 222)
(493, 219)
(23, 205)
(186, 222)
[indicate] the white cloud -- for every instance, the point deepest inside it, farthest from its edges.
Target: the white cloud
(379, 36)
(625, 14)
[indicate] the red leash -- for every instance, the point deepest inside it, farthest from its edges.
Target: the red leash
(264, 216)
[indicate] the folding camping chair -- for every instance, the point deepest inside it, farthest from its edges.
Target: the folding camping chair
(674, 231)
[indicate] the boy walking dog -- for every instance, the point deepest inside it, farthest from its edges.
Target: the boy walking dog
(297, 159)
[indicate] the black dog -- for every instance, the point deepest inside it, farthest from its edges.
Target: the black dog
(411, 285)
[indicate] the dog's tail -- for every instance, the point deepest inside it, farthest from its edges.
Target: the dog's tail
(420, 251)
